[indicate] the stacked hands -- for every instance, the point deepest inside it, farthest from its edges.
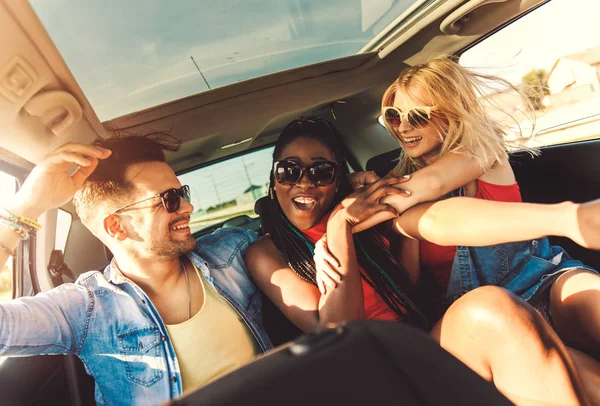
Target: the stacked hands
(366, 207)
(373, 202)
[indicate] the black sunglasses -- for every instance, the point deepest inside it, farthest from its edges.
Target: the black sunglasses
(320, 173)
(171, 199)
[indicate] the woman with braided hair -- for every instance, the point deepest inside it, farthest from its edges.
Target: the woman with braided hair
(388, 292)
(491, 331)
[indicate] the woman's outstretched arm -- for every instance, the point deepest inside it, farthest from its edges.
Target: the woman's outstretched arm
(476, 222)
(450, 172)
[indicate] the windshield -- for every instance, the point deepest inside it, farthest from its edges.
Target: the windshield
(135, 54)
(229, 188)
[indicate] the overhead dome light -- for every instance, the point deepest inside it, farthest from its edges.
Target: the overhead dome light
(235, 144)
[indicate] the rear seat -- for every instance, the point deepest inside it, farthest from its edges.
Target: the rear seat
(382, 164)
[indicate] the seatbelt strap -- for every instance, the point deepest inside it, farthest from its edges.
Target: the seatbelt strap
(58, 268)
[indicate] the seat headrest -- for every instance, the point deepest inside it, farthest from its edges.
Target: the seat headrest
(382, 164)
(259, 204)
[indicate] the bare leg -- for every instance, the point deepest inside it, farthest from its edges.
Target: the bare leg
(575, 309)
(588, 224)
(507, 342)
(589, 369)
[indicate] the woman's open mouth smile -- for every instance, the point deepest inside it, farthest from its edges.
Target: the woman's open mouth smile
(304, 203)
(411, 142)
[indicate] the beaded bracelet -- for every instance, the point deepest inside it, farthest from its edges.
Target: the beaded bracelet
(22, 232)
(26, 222)
(8, 250)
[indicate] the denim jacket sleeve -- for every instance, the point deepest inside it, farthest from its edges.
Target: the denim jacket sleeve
(53, 322)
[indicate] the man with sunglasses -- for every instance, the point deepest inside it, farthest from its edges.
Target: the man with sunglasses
(169, 312)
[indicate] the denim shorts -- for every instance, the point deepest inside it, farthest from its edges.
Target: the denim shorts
(541, 298)
(527, 269)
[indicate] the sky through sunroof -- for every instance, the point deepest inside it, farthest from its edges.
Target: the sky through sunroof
(134, 54)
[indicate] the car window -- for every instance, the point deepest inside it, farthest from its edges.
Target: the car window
(228, 188)
(8, 188)
(558, 70)
(63, 226)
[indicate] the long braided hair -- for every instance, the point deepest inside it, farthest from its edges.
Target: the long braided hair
(381, 270)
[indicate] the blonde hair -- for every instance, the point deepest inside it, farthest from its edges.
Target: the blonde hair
(461, 119)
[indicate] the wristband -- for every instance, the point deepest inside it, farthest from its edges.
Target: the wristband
(25, 221)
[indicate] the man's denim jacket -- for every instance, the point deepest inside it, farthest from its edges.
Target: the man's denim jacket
(111, 325)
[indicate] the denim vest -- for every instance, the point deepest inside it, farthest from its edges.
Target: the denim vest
(111, 325)
(521, 267)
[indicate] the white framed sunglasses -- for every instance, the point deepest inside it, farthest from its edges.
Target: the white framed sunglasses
(418, 116)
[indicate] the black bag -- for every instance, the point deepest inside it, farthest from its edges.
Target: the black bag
(361, 363)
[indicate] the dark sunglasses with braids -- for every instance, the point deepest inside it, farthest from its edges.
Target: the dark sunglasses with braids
(383, 271)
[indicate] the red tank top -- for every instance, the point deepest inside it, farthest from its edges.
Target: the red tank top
(436, 259)
(375, 306)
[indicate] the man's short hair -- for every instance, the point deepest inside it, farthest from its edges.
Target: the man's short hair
(107, 184)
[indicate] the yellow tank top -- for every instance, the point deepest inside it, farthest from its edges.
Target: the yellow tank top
(213, 342)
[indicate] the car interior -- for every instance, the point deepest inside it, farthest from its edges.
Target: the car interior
(59, 83)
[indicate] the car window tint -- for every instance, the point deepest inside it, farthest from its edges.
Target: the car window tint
(555, 61)
(228, 188)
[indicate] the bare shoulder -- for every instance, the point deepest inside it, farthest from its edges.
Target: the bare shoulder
(263, 256)
(500, 173)
(261, 248)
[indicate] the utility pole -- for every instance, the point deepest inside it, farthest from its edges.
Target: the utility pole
(216, 190)
(246, 171)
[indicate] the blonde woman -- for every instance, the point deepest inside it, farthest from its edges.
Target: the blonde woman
(436, 109)
(436, 113)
